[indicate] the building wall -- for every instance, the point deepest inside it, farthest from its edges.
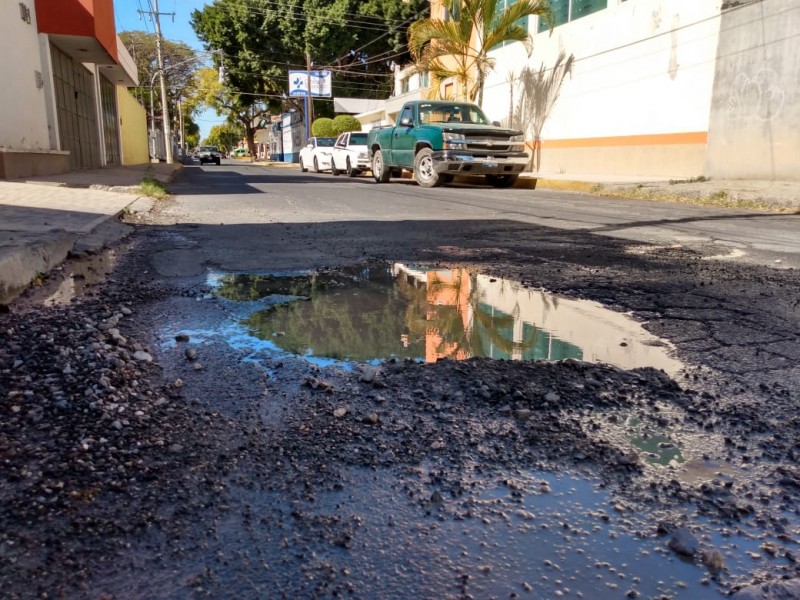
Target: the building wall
(133, 128)
(638, 98)
(755, 112)
(23, 125)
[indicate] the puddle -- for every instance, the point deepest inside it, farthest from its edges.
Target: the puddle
(378, 312)
(69, 280)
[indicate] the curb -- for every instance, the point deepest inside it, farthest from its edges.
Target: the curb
(21, 265)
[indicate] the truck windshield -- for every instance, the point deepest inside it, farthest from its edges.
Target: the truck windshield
(436, 112)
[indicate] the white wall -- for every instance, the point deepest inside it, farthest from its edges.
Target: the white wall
(755, 118)
(641, 67)
(23, 124)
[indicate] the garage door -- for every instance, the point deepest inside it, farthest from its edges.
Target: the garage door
(77, 114)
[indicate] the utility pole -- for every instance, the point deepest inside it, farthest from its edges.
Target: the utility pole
(160, 57)
(309, 101)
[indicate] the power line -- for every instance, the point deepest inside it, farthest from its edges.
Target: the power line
(305, 15)
(300, 11)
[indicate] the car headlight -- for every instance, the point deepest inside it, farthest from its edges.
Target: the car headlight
(517, 138)
(453, 140)
(362, 155)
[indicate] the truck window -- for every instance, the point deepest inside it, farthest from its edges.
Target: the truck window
(406, 114)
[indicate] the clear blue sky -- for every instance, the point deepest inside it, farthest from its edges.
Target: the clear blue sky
(176, 30)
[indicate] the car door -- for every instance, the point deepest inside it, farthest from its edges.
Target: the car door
(340, 151)
(403, 141)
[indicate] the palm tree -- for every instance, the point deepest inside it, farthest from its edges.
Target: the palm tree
(460, 48)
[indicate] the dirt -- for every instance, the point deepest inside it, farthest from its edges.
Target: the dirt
(203, 474)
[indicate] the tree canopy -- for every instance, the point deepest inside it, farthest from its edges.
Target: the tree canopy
(180, 66)
(459, 47)
(259, 41)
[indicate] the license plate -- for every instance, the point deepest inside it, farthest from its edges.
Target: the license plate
(490, 164)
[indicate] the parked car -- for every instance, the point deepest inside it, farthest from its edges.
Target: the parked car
(209, 154)
(316, 154)
(350, 154)
(437, 140)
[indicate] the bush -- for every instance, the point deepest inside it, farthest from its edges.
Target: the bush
(344, 123)
(323, 127)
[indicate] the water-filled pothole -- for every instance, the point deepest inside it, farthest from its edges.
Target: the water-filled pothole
(379, 311)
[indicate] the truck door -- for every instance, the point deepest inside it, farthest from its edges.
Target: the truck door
(403, 139)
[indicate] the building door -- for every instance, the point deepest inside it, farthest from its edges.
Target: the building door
(108, 102)
(77, 114)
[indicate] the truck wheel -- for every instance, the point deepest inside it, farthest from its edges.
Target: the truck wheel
(501, 181)
(379, 170)
(423, 170)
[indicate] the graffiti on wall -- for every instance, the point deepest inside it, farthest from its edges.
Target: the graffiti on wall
(755, 97)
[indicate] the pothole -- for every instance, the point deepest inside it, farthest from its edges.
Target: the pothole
(378, 312)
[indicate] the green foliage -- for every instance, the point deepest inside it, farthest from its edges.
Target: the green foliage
(450, 48)
(261, 40)
(179, 67)
(153, 188)
(224, 136)
(344, 123)
(324, 127)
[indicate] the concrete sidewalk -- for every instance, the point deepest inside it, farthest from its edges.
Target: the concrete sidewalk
(41, 219)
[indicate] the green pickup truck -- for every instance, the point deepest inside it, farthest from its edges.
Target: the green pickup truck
(438, 140)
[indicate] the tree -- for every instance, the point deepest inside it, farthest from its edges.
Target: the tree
(323, 127)
(180, 65)
(344, 123)
(260, 41)
(247, 112)
(460, 48)
(224, 136)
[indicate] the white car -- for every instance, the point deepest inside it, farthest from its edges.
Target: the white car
(316, 154)
(350, 154)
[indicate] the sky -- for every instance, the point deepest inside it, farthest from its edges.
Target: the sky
(176, 30)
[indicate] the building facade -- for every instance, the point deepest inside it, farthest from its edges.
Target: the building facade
(72, 71)
(676, 88)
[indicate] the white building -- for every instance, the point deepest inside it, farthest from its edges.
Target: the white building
(676, 88)
(64, 70)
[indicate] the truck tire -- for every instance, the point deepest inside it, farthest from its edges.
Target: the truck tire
(501, 181)
(423, 170)
(379, 170)
(351, 172)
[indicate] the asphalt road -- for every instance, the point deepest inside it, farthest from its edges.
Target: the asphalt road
(237, 194)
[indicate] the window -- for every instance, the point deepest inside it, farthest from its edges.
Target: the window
(424, 79)
(449, 91)
(501, 6)
(406, 114)
(565, 11)
(404, 85)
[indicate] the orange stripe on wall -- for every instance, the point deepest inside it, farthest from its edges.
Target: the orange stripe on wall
(655, 139)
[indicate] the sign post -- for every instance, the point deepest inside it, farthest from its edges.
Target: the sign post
(317, 82)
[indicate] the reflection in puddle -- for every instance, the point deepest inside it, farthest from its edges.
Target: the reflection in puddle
(378, 312)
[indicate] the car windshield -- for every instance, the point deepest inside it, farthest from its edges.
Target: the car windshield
(208, 149)
(451, 113)
(325, 141)
(358, 139)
